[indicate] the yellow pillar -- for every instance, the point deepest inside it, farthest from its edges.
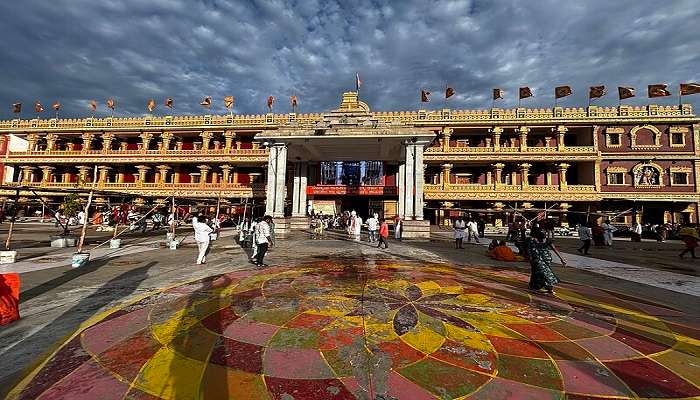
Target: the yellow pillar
(523, 131)
(446, 135)
(496, 131)
(446, 170)
(561, 131)
(561, 168)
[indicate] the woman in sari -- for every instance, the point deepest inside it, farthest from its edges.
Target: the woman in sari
(541, 275)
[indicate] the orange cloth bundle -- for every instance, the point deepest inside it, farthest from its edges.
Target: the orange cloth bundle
(9, 298)
(504, 253)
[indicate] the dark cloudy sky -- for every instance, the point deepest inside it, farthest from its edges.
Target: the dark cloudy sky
(132, 50)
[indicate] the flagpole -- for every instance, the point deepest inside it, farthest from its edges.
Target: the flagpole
(680, 97)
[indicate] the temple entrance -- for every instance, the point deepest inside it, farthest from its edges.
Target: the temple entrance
(362, 205)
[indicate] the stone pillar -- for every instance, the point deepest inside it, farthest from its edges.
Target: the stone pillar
(27, 172)
(496, 131)
(446, 135)
(107, 139)
(166, 138)
(276, 175)
(87, 141)
(206, 138)
(489, 178)
(104, 171)
(561, 168)
(32, 139)
(46, 173)
(563, 216)
(226, 170)
(178, 144)
(498, 174)
(299, 189)
(523, 131)
(409, 183)
(145, 140)
(176, 175)
(65, 177)
(401, 183)
(446, 169)
(120, 175)
(83, 171)
(163, 174)
(561, 130)
(549, 178)
(500, 215)
(235, 176)
(51, 141)
(203, 172)
(229, 136)
(143, 170)
(524, 172)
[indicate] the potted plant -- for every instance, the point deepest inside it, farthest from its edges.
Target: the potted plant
(70, 208)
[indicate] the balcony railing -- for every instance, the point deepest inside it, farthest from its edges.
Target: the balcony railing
(160, 189)
(160, 153)
(530, 149)
(503, 188)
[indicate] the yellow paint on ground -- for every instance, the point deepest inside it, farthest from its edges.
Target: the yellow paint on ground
(225, 383)
(180, 321)
(169, 375)
(475, 340)
(423, 339)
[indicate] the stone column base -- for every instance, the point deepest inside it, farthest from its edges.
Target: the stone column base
(412, 229)
(299, 223)
(282, 227)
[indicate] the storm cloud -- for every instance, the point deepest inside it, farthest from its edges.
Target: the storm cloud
(132, 50)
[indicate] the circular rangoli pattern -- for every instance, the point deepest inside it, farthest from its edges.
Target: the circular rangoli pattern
(385, 330)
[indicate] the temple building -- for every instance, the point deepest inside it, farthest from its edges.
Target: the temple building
(425, 166)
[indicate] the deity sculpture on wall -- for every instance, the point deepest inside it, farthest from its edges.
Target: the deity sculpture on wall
(647, 175)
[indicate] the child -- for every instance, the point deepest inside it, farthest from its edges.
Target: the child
(383, 233)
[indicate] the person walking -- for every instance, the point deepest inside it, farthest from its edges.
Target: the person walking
(263, 239)
(253, 244)
(541, 274)
(636, 232)
(608, 229)
(372, 228)
(459, 226)
(398, 228)
(472, 231)
(584, 235)
(383, 234)
(201, 236)
(689, 236)
(355, 228)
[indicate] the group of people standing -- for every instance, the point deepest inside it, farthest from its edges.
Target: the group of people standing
(469, 228)
(377, 229)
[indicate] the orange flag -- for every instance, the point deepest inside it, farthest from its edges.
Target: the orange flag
(110, 104)
(169, 102)
(595, 92)
(56, 106)
(525, 92)
(228, 102)
(151, 105)
(17, 108)
(658, 90)
(449, 92)
(206, 102)
(270, 100)
(424, 96)
(294, 101)
(497, 94)
(690, 88)
(93, 105)
(38, 108)
(562, 91)
(625, 92)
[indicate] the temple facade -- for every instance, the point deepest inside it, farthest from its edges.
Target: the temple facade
(424, 166)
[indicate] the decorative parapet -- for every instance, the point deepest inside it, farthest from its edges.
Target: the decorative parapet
(352, 106)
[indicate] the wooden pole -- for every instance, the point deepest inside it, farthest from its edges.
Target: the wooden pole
(87, 210)
(174, 216)
(12, 222)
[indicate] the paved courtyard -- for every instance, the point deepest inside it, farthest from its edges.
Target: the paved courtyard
(334, 319)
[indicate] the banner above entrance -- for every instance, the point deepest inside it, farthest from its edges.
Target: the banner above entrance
(342, 190)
